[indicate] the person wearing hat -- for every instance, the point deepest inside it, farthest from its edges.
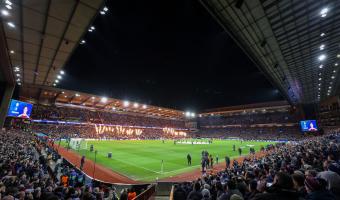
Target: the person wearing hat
(316, 189)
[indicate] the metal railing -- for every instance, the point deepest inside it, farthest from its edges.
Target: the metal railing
(147, 194)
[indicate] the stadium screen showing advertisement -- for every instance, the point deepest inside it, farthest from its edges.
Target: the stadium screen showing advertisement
(308, 125)
(19, 109)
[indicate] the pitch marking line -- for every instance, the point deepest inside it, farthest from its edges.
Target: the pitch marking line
(128, 163)
(164, 173)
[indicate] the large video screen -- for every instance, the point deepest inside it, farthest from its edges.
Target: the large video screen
(19, 109)
(308, 125)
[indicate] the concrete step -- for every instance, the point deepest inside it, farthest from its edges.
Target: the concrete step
(162, 197)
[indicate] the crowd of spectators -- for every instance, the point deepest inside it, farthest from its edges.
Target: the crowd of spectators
(247, 133)
(209, 126)
(253, 125)
(308, 169)
(248, 118)
(329, 116)
(25, 173)
(250, 133)
(57, 131)
(102, 116)
(253, 133)
(64, 131)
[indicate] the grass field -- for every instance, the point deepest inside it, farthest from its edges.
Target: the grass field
(141, 159)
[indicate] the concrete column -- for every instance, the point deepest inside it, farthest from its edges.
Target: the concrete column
(8, 93)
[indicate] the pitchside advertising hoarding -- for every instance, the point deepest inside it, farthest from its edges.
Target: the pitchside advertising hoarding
(19, 109)
(308, 126)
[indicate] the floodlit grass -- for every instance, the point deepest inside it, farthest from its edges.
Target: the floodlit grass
(141, 159)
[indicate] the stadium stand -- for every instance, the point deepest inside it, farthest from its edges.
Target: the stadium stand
(89, 131)
(26, 172)
(298, 166)
(246, 118)
(273, 120)
(329, 115)
(80, 122)
(253, 133)
(246, 124)
(306, 170)
(104, 117)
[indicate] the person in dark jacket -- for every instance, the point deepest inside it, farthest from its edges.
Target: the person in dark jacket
(299, 186)
(282, 189)
(189, 159)
(252, 190)
(227, 162)
(179, 193)
(240, 151)
(229, 190)
(316, 189)
(196, 193)
(82, 162)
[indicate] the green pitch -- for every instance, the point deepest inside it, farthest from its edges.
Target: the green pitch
(141, 160)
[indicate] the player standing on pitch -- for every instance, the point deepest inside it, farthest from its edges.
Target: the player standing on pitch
(189, 159)
(82, 162)
(227, 162)
(240, 151)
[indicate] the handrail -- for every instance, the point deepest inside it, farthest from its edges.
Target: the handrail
(145, 195)
(172, 193)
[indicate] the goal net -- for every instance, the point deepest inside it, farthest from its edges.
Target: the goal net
(78, 143)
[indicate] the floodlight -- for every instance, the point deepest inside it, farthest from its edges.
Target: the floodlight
(103, 99)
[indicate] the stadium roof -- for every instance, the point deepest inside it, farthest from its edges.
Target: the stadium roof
(6, 74)
(52, 95)
(295, 43)
(42, 34)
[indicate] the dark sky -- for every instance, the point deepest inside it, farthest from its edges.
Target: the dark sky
(168, 53)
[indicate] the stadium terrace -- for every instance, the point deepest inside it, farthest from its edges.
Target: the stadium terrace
(279, 58)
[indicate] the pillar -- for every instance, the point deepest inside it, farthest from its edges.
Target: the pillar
(6, 99)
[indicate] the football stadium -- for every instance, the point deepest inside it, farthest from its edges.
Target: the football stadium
(175, 100)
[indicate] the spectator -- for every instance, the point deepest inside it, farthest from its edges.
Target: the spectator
(179, 193)
(299, 186)
(282, 188)
(316, 189)
(252, 190)
(24, 172)
(195, 194)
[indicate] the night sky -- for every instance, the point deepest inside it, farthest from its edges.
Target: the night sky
(167, 53)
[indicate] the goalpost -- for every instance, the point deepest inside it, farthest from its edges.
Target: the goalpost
(78, 143)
